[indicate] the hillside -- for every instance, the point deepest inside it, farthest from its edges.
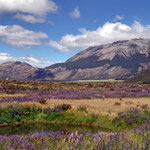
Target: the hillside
(142, 77)
(119, 60)
(16, 70)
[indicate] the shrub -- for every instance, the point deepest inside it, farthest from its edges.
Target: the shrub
(117, 104)
(8, 88)
(17, 113)
(131, 117)
(63, 107)
(52, 113)
(82, 108)
(144, 106)
(43, 101)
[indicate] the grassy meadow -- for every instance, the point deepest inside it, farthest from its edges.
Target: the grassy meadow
(120, 108)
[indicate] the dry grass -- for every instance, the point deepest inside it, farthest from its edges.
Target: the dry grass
(10, 95)
(109, 106)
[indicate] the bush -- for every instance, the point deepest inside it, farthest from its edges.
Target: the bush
(42, 101)
(8, 88)
(63, 107)
(82, 108)
(131, 117)
(18, 113)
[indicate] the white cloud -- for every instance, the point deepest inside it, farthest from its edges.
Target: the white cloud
(117, 18)
(5, 57)
(76, 13)
(40, 63)
(34, 7)
(59, 46)
(29, 18)
(17, 36)
(109, 32)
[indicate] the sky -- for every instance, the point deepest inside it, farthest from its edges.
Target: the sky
(44, 32)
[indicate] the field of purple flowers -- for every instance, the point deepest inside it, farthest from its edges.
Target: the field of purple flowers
(136, 139)
(38, 91)
(131, 128)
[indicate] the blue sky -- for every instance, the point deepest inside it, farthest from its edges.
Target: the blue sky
(43, 32)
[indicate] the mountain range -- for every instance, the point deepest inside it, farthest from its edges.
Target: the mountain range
(141, 77)
(117, 60)
(15, 70)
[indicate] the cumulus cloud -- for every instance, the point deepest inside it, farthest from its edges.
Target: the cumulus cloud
(29, 18)
(34, 7)
(75, 14)
(117, 18)
(109, 32)
(17, 36)
(5, 57)
(40, 63)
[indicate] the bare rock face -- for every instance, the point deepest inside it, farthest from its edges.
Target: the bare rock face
(16, 70)
(119, 60)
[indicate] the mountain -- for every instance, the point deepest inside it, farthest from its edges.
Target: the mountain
(16, 70)
(119, 60)
(142, 77)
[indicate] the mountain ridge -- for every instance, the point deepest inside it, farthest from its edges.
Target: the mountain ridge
(118, 60)
(16, 70)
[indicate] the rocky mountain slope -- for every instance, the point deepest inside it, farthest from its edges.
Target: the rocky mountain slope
(22, 71)
(118, 60)
(142, 77)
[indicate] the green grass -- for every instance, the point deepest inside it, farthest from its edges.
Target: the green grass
(104, 80)
(80, 116)
(18, 114)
